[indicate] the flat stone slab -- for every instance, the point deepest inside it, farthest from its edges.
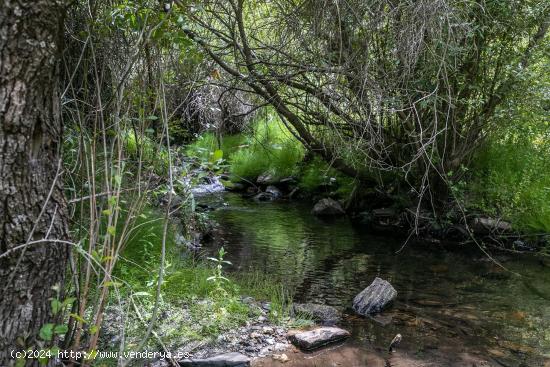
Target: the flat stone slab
(223, 360)
(327, 315)
(374, 298)
(319, 337)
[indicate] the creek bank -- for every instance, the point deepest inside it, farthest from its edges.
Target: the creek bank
(385, 214)
(179, 333)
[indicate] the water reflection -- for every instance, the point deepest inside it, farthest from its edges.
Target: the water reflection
(451, 306)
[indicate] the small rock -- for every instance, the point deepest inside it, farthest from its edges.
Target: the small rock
(265, 179)
(274, 192)
(263, 196)
(262, 318)
(267, 330)
(223, 360)
(281, 357)
(374, 298)
(280, 346)
(247, 300)
(327, 315)
(316, 338)
(328, 207)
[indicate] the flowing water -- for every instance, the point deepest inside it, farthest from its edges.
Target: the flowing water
(453, 308)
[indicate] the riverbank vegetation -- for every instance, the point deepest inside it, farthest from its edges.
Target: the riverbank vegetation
(435, 110)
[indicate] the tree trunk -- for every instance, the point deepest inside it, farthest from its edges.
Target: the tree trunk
(32, 204)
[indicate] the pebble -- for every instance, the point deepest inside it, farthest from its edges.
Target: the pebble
(281, 357)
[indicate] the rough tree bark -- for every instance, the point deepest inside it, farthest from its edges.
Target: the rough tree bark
(32, 204)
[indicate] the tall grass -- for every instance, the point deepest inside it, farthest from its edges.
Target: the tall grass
(270, 149)
(513, 181)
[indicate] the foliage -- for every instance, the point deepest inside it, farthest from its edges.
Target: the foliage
(511, 173)
(141, 148)
(206, 145)
(269, 148)
(410, 88)
(513, 181)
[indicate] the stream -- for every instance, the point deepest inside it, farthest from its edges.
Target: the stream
(454, 308)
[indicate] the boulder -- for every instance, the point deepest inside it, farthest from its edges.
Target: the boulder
(223, 360)
(328, 207)
(271, 194)
(327, 315)
(319, 337)
(374, 298)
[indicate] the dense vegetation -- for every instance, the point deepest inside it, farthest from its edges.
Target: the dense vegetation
(435, 106)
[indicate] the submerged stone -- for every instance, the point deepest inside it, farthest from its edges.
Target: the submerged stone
(374, 298)
(319, 337)
(328, 207)
(324, 314)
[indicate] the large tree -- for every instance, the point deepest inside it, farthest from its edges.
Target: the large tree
(33, 221)
(392, 90)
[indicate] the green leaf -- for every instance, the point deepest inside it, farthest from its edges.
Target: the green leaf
(94, 329)
(107, 212)
(113, 284)
(56, 306)
(217, 155)
(46, 332)
(111, 230)
(60, 329)
(68, 301)
(77, 318)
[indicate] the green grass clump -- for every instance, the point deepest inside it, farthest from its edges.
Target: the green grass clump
(513, 181)
(269, 148)
(207, 144)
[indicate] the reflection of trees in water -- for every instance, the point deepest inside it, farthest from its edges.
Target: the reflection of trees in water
(446, 301)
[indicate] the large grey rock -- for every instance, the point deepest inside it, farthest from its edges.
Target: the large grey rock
(328, 207)
(327, 315)
(374, 298)
(223, 360)
(316, 338)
